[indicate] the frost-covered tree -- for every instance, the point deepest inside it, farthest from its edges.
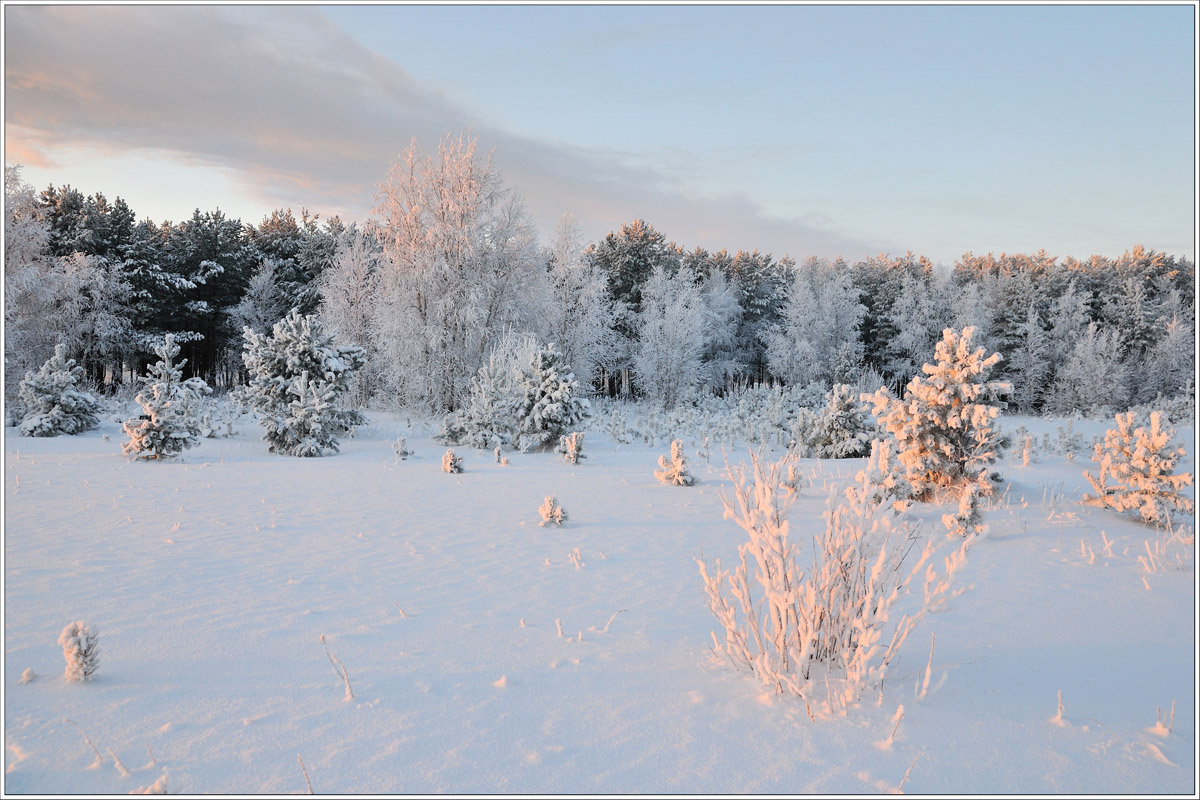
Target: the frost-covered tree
(264, 302)
(1140, 463)
(944, 426)
(81, 651)
(461, 268)
(580, 312)
(723, 317)
(1029, 362)
(571, 447)
(548, 403)
(819, 326)
(671, 342)
(674, 471)
(843, 428)
(298, 378)
(53, 404)
(451, 463)
(1171, 363)
(552, 513)
(917, 319)
(1093, 377)
(349, 289)
(169, 422)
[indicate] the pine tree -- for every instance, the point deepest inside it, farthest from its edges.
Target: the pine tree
(552, 513)
(298, 376)
(1141, 464)
(943, 427)
(675, 471)
(1092, 377)
(547, 405)
(169, 421)
(81, 651)
(53, 405)
(843, 428)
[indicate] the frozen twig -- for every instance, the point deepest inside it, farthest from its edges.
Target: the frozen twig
(610, 619)
(338, 668)
(99, 758)
(305, 771)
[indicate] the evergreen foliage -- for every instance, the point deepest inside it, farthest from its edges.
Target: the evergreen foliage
(298, 377)
(169, 422)
(548, 404)
(81, 651)
(1140, 463)
(451, 463)
(53, 405)
(674, 472)
(552, 513)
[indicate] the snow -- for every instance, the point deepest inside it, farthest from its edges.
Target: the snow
(488, 654)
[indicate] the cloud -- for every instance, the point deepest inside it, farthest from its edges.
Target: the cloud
(304, 115)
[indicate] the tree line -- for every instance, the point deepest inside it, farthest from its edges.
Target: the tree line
(450, 265)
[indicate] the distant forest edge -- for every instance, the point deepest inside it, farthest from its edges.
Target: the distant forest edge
(450, 268)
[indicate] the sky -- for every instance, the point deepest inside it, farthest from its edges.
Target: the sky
(826, 130)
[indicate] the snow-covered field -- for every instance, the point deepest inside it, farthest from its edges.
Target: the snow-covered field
(487, 654)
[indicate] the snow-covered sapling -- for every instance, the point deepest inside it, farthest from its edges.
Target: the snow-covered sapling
(571, 447)
(1140, 463)
(675, 472)
(548, 405)
(298, 377)
(169, 422)
(842, 429)
(53, 403)
(969, 518)
(944, 427)
(552, 513)
(81, 650)
(451, 463)
(401, 448)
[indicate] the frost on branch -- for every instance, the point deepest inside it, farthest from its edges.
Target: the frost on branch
(552, 513)
(81, 650)
(53, 403)
(1140, 463)
(944, 427)
(169, 422)
(298, 377)
(675, 472)
(799, 629)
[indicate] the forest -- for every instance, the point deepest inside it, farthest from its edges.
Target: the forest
(450, 269)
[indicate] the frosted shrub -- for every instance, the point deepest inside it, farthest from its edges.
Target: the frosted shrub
(969, 517)
(298, 378)
(548, 405)
(489, 419)
(53, 403)
(552, 513)
(400, 446)
(451, 463)
(1137, 471)
(944, 427)
(798, 629)
(674, 472)
(842, 429)
(571, 447)
(168, 423)
(81, 650)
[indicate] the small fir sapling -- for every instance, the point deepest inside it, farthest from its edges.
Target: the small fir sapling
(675, 472)
(552, 513)
(969, 518)
(298, 377)
(400, 446)
(451, 463)
(1140, 463)
(81, 650)
(571, 447)
(168, 423)
(944, 426)
(53, 403)
(548, 405)
(842, 429)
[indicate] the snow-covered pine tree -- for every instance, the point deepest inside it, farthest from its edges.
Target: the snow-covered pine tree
(169, 421)
(81, 651)
(548, 405)
(571, 447)
(552, 513)
(298, 376)
(1141, 464)
(53, 404)
(1093, 376)
(675, 472)
(943, 427)
(451, 463)
(843, 428)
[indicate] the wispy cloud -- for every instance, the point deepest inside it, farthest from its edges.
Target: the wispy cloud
(304, 115)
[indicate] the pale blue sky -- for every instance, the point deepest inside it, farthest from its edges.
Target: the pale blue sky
(823, 130)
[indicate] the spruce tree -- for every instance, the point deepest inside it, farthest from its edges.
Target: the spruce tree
(298, 376)
(548, 405)
(169, 422)
(53, 404)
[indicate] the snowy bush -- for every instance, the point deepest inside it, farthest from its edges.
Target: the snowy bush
(81, 650)
(548, 405)
(944, 427)
(842, 429)
(675, 471)
(552, 513)
(571, 447)
(451, 463)
(298, 377)
(168, 423)
(969, 517)
(400, 446)
(783, 621)
(1140, 463)
(53, 405)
